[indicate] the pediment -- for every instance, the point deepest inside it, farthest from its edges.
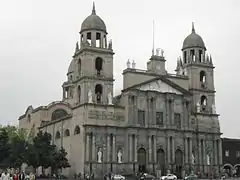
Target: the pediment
(159, 86)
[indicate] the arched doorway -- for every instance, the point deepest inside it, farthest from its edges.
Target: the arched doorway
(237, 169)
(179, 162)
(141, 156)
(227, 169)
(161, 160)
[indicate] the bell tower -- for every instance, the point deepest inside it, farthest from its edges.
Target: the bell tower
(198, 66)
(92, 65)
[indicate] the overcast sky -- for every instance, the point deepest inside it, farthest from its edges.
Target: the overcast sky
(37, 41)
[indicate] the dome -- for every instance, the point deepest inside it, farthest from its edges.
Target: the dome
(93, 22)
(193, 40)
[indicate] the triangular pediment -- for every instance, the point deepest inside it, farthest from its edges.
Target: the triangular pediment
(159, 86)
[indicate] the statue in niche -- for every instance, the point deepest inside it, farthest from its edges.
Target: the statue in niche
(90, 96)
(110, 98)
(119, 156)
(208, 159)
(213, 109)
(99, 155)
(193, 159)
(198, 107)
(128, 63)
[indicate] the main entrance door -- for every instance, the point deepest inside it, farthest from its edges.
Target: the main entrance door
(179, 162)
(141, 156)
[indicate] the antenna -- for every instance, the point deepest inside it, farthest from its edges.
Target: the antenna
(153, 38)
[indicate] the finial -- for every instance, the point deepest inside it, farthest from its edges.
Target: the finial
(210, 59)
(128, 63)
(193, 29)
(93, 10)
(133, 64)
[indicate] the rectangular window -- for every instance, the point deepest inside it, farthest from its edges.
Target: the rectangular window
(159, 118)
(141, 117)
(237, 154)
(177, 120)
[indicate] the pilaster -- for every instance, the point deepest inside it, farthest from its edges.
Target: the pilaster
(130, 148)
(114, 149)
(94, 147)
(149, 148)
(186, 151)
(135, 147)
(87, 146)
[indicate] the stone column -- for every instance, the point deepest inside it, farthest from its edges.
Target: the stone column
(190, 150)
(135, 147)
(215, 152)
(168, 150)
(204, 153)
(154, 111)
(186, 151)
(108, 147)
(173, 149)
(93, 147)
(154, 149)
(149, 149)
(166, 116)
(147, 119)
(130, 152)
(136, 109)
(114, 149)
(199, 152)
(220, 151)
(87, 146)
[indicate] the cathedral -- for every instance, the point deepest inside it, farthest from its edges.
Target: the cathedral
(160, 122)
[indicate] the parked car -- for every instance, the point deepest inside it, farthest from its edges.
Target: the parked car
(118, 177)
(191, 177)
(169, 177)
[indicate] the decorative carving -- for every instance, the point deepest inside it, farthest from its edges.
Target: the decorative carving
(99, 155)
(90, 96)
(159, 86)
(103, 115)
(110, 98)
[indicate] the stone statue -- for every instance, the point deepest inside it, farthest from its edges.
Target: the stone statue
(208, 159)
(185, 72)
(133, 64)
(193, 159)
(119, 156)
(198, 107)
(110, 44)
(99, 155)
(90, 96)
(110, 98)
(128, 63)
(213, 109)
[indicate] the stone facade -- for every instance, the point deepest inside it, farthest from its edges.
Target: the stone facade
(160, 121)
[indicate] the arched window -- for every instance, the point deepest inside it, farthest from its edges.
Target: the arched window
(79, 67)
(77, 130)
(57, 135)
(203, 78)
(67, 133)
(79, 93)
(98, 92)
(98, 65)
(200, 55)
(185, 57)
(59, 113)
(203, 103)
(89, 38)
(98, 40)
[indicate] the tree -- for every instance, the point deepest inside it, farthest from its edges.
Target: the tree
(59, 160)
(4, 147)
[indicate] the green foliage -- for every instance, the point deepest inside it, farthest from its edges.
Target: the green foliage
(15, 149)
